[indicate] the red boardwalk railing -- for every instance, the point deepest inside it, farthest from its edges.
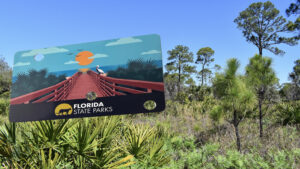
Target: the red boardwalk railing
(114, 86)
(53, 93)
(107, 86)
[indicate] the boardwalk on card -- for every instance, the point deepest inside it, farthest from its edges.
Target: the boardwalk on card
(77, 86)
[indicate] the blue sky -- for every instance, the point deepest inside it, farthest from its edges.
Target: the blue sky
(105, 53)
(27, 25)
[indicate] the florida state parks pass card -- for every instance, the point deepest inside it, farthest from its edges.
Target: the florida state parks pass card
(111, 77)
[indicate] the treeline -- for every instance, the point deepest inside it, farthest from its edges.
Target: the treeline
(34, 80)
(238, 96)
(138, 69)
(5, 77)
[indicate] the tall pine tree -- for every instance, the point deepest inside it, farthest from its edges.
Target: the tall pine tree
(178, 65)
(263, 26)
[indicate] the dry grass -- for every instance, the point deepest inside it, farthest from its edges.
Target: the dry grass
(185, 120)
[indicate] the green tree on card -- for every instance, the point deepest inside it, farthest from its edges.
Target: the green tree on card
(263, 26)
(179, 64)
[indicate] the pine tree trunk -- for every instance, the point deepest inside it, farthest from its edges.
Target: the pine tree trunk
(238, 139)
(237, 134)
(260, 51)
(260, 98)
(202, 78)
(260, 118)
(178, 86)
(179, 75)
(260, 48)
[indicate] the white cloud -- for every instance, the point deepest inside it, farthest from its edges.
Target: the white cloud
(123, 41)
(99, 55)
(70, 62)
(150, 52)
(44, 51)
(21, 64)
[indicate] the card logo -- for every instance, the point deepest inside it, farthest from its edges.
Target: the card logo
(63, 109)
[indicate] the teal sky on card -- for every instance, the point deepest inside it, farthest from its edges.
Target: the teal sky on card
(106, 53)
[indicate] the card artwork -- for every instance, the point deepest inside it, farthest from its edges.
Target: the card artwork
(110, 77)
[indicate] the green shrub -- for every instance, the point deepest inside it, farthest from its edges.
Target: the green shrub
(211, 156)
(216, 114)
(182, 97)
(146, 144)
(232, 159)
(288, 112)
(84, 143)
(184, 144)
(5, 95)
(204, 157)
(279, 159)
(285, 159)
(174, 108)
(4, 105)
(196, 158)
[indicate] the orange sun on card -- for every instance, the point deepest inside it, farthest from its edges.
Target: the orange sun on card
(84, 58)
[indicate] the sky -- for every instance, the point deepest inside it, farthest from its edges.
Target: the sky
(113, 53)
(27, 25)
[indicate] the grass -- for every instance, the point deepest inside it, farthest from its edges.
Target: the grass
(183, 136)
(192, 131)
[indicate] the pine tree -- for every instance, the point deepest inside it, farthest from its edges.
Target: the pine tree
(260, 76)
(179, 66)
(236, 99)
(263, 26)
(204, 57)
